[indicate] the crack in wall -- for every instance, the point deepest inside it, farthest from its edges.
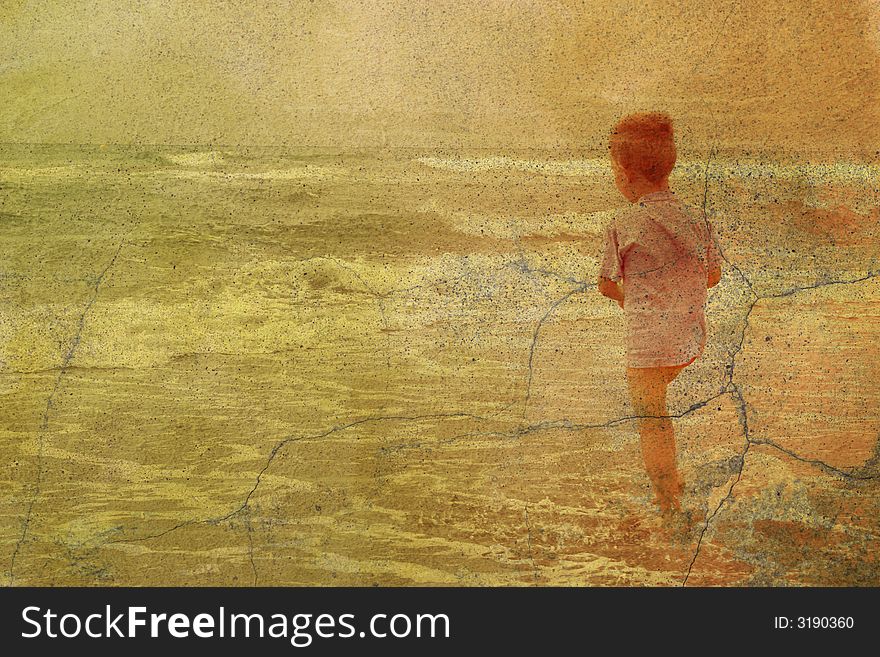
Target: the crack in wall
(546, 425)
(249, 528)
(553, 306)
(742, 406)
(380, 296)
(736, 391)
(825, 467)
(36, 487)
(742, 412)
(244, 506)
(535, 571)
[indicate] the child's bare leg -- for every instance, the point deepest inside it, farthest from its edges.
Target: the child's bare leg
(648, 391)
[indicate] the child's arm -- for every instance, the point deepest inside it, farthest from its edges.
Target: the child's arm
(714, 277)
(611, 270)
(611, 289)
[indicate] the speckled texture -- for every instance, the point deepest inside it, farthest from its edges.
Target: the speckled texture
(372, 351)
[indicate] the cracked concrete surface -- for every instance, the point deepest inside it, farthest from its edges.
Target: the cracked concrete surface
(44, 422)
(403, 375)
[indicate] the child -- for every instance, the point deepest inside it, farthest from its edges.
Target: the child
(659, 259)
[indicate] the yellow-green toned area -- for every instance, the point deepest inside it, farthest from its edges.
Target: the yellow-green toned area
(228, 366)
(303, 292)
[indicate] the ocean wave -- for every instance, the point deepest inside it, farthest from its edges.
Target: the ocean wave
(25, 174)
(549, 226)
(305, 172)
(502, 162)
(199, 159)
(831, 172)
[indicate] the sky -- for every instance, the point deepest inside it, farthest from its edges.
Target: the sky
(754, 75)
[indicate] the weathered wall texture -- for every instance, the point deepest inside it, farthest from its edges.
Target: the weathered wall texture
(348, 333)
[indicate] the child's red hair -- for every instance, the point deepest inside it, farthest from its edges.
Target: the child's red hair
(643, 144)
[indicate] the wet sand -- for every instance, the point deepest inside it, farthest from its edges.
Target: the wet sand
(224, 367)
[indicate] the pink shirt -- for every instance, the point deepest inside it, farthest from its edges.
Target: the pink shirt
(662, 251)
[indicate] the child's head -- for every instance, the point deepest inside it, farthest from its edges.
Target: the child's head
(642, 153)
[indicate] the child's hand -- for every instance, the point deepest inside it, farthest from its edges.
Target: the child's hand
(611, 289)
